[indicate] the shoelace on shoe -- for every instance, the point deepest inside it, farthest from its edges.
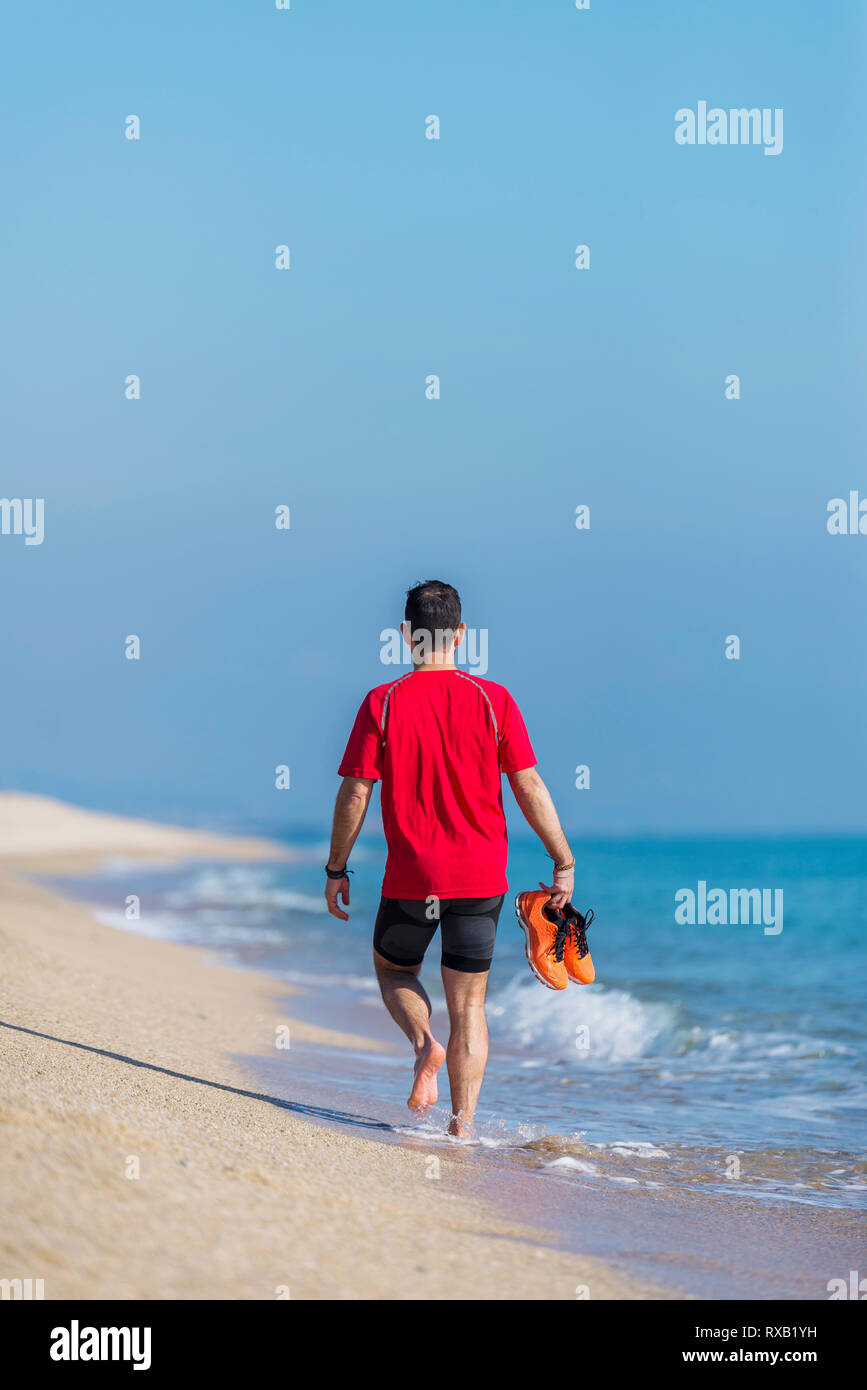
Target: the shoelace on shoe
(577, 925)
(558, 945)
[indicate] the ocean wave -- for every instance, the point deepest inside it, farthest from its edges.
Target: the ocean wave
(244, 887)
(598, 1026)
(618, 1026)
(166, 926)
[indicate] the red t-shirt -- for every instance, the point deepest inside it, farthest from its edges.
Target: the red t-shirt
(442, 801)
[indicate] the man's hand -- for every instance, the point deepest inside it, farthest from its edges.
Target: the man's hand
(561, 889)
(337, 888)
(350, 809)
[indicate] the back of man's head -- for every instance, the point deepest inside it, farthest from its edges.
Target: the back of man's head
(432, 608)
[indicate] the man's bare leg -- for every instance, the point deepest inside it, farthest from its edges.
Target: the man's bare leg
(467, 1052)
(406, 1000)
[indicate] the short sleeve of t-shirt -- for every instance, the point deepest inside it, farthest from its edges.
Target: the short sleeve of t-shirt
(516, 750)
(363, 755)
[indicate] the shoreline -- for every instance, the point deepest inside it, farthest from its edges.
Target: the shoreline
(144, 1162)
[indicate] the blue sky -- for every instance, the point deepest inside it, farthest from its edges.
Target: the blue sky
(559, 387)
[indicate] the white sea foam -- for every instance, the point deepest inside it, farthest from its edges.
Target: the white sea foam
(241, 886)
(167, 927)
(620, 1026)
(152, 924)
(579, 1165)
(434, 1130)
(634, 1148)
(730, 1045)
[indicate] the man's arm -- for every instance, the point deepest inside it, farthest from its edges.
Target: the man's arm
(535, 801)
(350, 808)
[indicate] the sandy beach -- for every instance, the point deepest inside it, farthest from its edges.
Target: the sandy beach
(141, 1161)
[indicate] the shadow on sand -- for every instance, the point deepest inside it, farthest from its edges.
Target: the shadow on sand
(297, 1108)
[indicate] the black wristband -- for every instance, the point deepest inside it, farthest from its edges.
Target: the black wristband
(337, 873)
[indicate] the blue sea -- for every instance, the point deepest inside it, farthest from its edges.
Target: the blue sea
(726, 1059)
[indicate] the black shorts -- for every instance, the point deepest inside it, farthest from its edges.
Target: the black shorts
(405, 927)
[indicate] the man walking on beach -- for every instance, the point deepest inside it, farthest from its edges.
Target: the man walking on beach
(439, 739)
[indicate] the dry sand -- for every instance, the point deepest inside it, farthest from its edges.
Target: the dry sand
(117, 1056)
(40, 833)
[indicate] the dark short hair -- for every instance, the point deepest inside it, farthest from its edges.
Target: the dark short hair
(433, 607)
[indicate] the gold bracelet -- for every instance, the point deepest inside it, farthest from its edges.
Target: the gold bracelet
(564, 868)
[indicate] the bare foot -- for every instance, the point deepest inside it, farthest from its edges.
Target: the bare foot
(457, 1128)
(424, 1090)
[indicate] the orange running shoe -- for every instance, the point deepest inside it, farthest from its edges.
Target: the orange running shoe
(576, 956)
(544, 931)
